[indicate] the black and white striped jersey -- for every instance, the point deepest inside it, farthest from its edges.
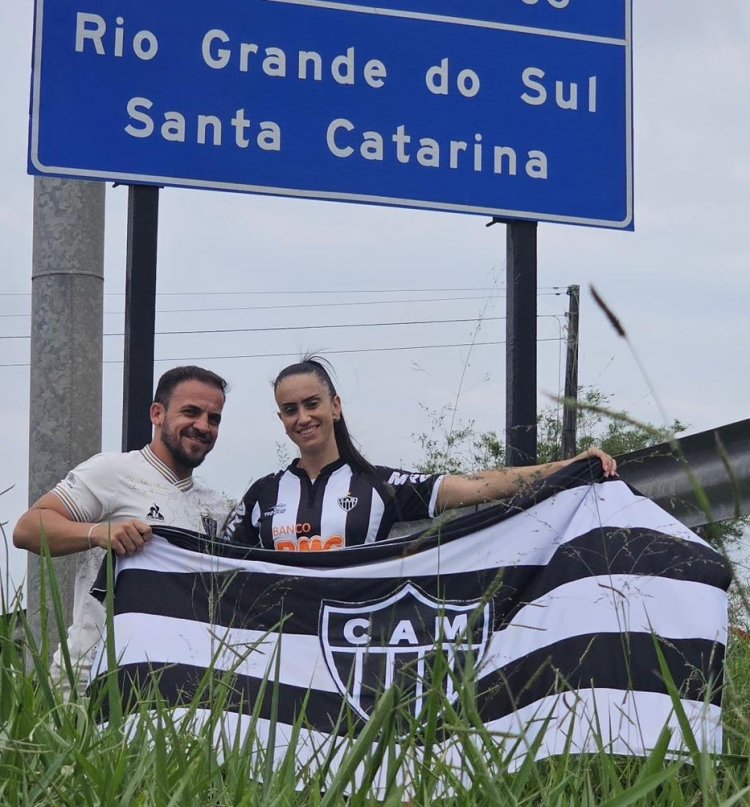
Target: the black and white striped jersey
(342, 507)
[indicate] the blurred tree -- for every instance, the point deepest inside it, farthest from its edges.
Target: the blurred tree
(455, 447)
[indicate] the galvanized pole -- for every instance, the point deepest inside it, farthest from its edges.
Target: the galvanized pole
(570, 404)
(67, 293)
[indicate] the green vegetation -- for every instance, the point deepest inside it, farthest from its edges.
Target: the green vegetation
(455, 447)
(53, 752)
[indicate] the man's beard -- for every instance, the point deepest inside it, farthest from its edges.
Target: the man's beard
(180, 456)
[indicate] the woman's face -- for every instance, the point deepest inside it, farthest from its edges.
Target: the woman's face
(308, 412)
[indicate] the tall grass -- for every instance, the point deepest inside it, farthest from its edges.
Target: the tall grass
(53, 750)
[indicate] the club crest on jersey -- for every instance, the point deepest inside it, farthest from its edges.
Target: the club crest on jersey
(369, 646)
(348, 502)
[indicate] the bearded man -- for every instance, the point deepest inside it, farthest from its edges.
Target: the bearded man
(113, 499)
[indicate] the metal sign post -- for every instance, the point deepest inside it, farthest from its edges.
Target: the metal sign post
(520, 346)
(140, 316)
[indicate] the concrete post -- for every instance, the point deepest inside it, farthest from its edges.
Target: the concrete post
(67, 294)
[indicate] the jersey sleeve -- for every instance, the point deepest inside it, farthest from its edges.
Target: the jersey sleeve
(88, 490)
(413, 495)
(239, 527)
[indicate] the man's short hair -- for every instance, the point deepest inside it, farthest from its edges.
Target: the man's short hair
(190, 372)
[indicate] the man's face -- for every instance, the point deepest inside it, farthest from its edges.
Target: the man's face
(189, 424)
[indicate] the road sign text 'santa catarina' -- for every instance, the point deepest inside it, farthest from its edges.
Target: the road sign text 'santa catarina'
(513, 108)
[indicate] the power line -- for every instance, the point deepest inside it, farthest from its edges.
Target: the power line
(335, 352)
(289, 305)
(276, 328)
(324, 352)
(550, 291)
(317, 305)
(278, 291)
(287, 292)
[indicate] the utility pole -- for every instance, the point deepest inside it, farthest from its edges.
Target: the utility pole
(570, 404)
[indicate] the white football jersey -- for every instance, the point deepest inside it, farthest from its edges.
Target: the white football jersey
(116, 487)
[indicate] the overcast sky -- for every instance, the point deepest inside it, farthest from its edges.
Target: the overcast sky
(679, 282)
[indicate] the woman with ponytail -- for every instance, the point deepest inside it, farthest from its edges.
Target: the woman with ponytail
(332, 497)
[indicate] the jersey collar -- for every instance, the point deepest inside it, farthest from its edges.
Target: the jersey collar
(165, 470)
(325, 471)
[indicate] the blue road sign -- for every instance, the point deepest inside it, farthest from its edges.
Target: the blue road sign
(512, 108)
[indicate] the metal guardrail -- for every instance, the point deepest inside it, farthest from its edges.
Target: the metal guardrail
(718, 460)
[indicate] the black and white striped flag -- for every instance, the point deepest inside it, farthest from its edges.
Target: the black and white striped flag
(560, 601)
